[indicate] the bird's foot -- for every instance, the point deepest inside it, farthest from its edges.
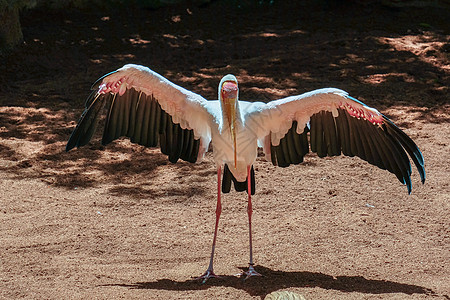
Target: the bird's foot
(251, 272)
(208, 274)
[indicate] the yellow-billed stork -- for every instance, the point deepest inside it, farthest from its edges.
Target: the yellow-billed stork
(152, 111)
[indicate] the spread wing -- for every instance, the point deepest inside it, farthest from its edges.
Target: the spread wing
(337, 124)
(150, 110)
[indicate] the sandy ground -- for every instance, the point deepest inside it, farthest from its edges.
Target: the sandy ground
(122, 222)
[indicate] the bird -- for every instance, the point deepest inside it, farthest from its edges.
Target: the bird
(152, 111)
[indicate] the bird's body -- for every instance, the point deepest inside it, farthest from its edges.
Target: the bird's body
(152, 111)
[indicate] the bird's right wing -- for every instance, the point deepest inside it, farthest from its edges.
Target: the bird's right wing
(150, 110)
(337, 123)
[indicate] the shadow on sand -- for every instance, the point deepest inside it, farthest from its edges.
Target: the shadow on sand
(275, 280)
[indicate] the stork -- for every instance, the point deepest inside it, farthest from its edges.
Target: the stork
(150, 110)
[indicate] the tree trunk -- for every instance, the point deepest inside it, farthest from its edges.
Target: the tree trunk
(10, 31)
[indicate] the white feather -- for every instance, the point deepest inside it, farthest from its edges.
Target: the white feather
(257, 123)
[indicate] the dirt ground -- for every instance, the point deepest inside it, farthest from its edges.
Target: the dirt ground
(122, 222)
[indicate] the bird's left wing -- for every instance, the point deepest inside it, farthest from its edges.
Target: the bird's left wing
(337, 123)
(150, 110)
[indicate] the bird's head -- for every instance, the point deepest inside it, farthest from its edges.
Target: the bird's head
(228, 96)
(228, 90)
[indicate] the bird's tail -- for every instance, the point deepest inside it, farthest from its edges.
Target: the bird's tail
(228, 177)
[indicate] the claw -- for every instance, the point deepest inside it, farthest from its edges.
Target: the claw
(208, 274)
(251, 272)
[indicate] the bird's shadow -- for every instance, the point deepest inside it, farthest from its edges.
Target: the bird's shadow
(275, 280)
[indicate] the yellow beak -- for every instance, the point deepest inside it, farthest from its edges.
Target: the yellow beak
(229, 105)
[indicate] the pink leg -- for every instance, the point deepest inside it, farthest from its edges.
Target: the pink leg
(210, 271)
(251, 271)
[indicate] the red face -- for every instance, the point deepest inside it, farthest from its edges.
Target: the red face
(229, 90)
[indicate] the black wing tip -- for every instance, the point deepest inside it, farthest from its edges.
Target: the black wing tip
(416, 154)
(409, 187)
(72, 142)
(106, 140)
(422, 174)
(69, 147)
(173, 159)
(422, 179)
